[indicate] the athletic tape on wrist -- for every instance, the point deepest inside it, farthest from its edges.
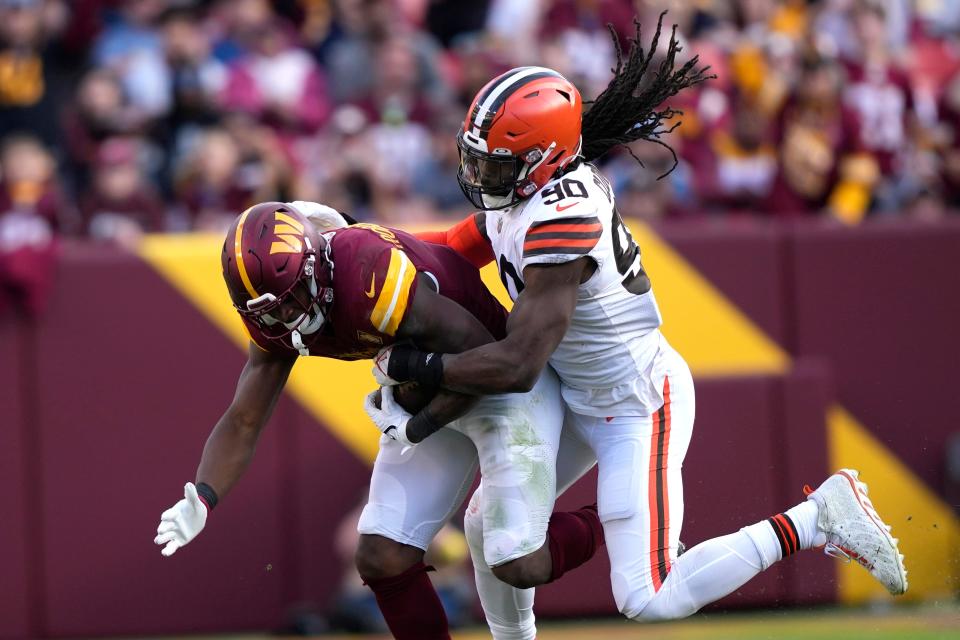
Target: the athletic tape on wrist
(208, 495)
(407, 363)
(420, 426)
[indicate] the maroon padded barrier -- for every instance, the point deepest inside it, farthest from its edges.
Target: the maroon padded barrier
(876, 301)
(328, 482)
(15, 589)
(134, 378)
(800, 442)
(745, 261)
(729, 482)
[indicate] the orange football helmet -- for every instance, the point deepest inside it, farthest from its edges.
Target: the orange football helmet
(522, 127)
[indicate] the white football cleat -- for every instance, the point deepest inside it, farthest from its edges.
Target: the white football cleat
(855, 531)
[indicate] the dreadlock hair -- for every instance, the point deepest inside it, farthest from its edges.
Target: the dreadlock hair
(629, 108)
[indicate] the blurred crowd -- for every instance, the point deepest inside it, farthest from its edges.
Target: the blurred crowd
(119, 117)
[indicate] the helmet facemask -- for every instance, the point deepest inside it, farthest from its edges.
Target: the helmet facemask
(497, 180)
(300, 310)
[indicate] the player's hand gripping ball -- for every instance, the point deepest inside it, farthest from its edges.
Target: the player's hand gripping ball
(409, 395)
(389, 417)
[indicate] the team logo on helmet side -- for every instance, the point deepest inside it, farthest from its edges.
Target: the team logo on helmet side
(289, 234)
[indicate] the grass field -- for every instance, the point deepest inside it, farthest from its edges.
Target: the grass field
(934, 623)
(940, 622)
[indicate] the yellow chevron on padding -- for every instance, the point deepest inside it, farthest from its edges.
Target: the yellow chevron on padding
(714, 336)
(331, 391)
(928, 529)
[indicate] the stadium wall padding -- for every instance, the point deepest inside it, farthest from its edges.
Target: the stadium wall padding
(123, 379)
(882, 304)
(877, 302)
(135, 379)
(746, 263)
(17, 586)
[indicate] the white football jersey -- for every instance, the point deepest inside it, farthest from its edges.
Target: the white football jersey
(607, 358)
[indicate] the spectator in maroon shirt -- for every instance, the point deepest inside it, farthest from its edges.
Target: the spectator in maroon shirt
(813, 140)
(120, 204)
(878, 94)
(396, 95)
(30, 214)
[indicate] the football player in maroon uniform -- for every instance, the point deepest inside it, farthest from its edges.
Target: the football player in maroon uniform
(306, 287)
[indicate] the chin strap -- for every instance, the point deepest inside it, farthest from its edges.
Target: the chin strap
(532, 161)
(297, 340)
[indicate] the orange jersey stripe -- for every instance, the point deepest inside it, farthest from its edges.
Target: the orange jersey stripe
(560, 244)
(558, 227)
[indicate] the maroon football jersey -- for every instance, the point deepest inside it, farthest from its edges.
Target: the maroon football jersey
(374, 283)
(879, 100)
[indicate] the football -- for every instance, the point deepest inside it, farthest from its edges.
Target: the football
(411, 396)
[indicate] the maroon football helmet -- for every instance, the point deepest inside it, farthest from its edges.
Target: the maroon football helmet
(278, 270)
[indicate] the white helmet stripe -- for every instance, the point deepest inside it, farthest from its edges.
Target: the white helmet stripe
(504, 84)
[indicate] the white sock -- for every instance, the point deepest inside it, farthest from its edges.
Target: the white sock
(720, 566)
(765, 542)
(509, 611)
(804, 516)
(787, 532)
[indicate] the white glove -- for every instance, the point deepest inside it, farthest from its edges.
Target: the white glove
(390, 418)
(381, 364)
(182, 522)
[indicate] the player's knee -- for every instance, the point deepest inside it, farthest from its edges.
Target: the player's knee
(631, 599)
(524, 573)
(378, 557)
(663, 609)
(640, 606)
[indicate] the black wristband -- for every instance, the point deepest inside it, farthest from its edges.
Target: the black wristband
(420, 426)
(408, 363)
(208, 495)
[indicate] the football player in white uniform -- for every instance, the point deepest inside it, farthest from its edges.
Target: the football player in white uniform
(584, 304)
